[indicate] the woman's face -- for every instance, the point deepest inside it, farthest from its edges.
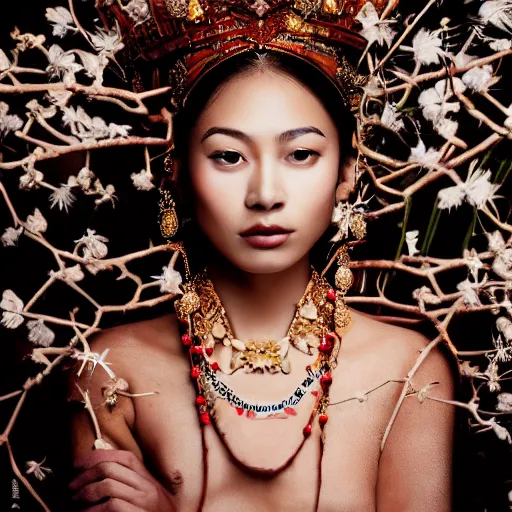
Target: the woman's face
(264, 153)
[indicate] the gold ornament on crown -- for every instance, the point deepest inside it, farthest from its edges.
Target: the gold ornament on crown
(196, 35)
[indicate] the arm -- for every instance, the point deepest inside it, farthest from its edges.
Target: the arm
(415, 468)
(118, 474)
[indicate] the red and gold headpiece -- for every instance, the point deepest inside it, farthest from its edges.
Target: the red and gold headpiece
(200, 34)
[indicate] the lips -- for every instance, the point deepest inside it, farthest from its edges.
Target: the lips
(265, 237)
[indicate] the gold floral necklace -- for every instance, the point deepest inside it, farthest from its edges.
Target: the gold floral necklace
(314, 328)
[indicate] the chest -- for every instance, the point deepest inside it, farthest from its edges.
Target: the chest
(343, 477)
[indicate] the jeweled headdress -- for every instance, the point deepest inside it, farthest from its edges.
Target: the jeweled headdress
(199, 35)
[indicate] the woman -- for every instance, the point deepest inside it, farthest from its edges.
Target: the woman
(261, 156)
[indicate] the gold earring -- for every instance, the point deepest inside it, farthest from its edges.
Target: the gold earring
(344, 279)
(358, 225)
(168, 218)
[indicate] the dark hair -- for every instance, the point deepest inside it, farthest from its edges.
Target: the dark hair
(210, 85)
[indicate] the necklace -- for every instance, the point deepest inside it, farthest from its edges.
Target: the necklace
(312, 320)
(312, 329)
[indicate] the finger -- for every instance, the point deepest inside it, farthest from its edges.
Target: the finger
(104, 470)
(107, 488)
(123, 457)
(114, 505)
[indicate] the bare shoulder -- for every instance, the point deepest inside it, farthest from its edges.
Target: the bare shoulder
(156, 334)
(399, 350)
(128, 351)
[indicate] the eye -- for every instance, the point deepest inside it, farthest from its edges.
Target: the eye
(303, 155)
(226, 157)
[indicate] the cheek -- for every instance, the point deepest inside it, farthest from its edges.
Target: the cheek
(313, 195)
(215, 197)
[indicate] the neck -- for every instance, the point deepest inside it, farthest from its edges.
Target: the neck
(260, 306)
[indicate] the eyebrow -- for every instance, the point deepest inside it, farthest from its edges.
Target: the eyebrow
(283, 137)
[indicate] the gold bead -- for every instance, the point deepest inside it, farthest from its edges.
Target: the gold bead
(169, 223)
(358, 226)
(330, 6)
(344, 279)
(195, 11)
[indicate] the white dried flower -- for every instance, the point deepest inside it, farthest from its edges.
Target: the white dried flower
(503, 353)
(504, 402)
(11, 236)
(138, 10)
(467, 370)
(473, 262)
(94, 65)
(435, 106)
(142, 180)
(95, 247)
(502, 264)
(424, 295)
(374, 30)
(73, 274)
(501, 432)
(118, 130)
(96, 359)
(91, 129)
(63, 196)
(170, 280)
(108, 42)
(428, 158)
(447, 87)
(62, 21)
(480, 79)
(39, 333)
(106, 194)
(500, 45)
(39, 110)
(38, 469)
(504, 325)
(426, 46)
(497, 13)
(8, 122)
(31, 179)
(62, 64)
(492, 375)
(59, 98)
(391, 118)
(411, 238)
(451, 197)
(372, 87)
(12, 305)
(36, 223)
(469, 293)
(5, 63)
(84, 178)
(495, 242)
(479, 189)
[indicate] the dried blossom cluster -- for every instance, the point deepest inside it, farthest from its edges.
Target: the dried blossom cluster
(420, 83)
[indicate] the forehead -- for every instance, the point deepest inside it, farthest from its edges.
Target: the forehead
(265, 101)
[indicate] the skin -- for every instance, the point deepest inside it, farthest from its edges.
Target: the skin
(157, 461)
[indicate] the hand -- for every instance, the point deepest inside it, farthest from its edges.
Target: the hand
(122, 477)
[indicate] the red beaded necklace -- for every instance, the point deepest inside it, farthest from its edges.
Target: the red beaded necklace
(199, 310)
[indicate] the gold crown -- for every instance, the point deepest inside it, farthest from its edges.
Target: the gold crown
(200, 34)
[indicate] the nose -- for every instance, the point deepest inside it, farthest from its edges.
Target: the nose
(265, 190)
